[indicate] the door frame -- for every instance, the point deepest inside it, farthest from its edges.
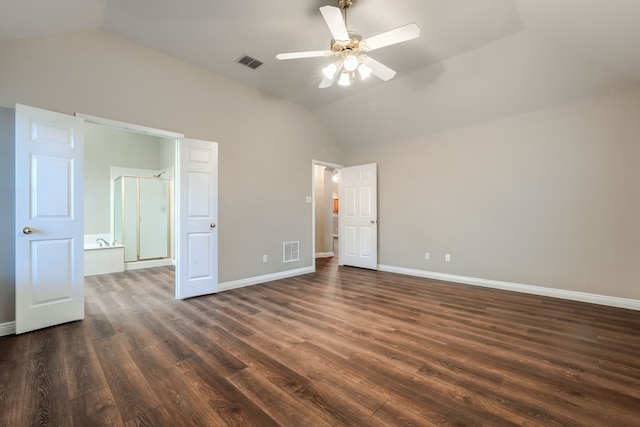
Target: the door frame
(315, 163)
(177, 137)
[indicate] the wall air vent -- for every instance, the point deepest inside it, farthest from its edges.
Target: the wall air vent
(249, 62)
(290, 251)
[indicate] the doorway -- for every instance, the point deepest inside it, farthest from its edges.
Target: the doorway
(194, 204)
(325, 208)
(115, 213)
(356, 212)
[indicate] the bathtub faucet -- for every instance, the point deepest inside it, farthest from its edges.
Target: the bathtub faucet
(102, 242)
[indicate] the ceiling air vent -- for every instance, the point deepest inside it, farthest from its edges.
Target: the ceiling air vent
(290, 251)
(249, 62)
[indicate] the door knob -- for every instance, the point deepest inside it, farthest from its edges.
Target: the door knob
(373, 221)
(213, 225)
(27, 230)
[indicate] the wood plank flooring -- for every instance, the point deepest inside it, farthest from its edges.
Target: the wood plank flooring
(341, 347)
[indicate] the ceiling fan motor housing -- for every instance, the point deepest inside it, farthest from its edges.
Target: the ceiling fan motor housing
(353, 46)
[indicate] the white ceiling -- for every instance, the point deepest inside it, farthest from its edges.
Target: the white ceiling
(476, 60)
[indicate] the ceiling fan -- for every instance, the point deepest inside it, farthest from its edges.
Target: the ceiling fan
(350, 49)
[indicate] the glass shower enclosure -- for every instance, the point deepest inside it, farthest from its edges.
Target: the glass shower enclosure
(142, 217)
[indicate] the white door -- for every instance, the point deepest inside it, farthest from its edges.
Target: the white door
(197, 257)
(49, 219)
(358, 216)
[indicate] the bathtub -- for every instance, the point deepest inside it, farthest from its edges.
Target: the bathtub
(101, 260)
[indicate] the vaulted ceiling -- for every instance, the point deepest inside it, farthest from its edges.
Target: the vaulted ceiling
(476, 60)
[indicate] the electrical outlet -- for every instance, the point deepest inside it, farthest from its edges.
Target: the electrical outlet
(447, 257)
(427, 255)
(265, 258)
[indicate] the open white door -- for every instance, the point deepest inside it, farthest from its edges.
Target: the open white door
(49, 219)
(358, 235)
(197, 238)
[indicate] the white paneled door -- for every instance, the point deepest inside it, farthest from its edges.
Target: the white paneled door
(197, 263)
(358, 217)
(49, 219)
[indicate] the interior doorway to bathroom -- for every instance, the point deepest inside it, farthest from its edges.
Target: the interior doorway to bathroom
(191, 166)
(129, 188)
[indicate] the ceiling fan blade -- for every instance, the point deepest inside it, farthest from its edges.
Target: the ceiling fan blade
(325, 83)
(333, 17)
(379, 70)
(299, 55)
(398, 35)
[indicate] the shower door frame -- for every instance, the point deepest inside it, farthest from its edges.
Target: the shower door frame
(117, 173)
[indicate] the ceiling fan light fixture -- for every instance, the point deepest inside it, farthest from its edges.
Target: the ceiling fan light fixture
(364, 71)
(351, 50)
(330, 71)
(351, 63)
(345, 79)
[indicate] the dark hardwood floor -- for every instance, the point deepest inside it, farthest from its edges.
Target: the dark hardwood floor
(342, 346)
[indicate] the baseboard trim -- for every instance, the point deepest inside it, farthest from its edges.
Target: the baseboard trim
(630, 304)
(324, 254)
(8, 328)
(137, 265)
(235, 284)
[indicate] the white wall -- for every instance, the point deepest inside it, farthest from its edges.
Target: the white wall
(265, 144)
(547, 199)
(106, 147)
